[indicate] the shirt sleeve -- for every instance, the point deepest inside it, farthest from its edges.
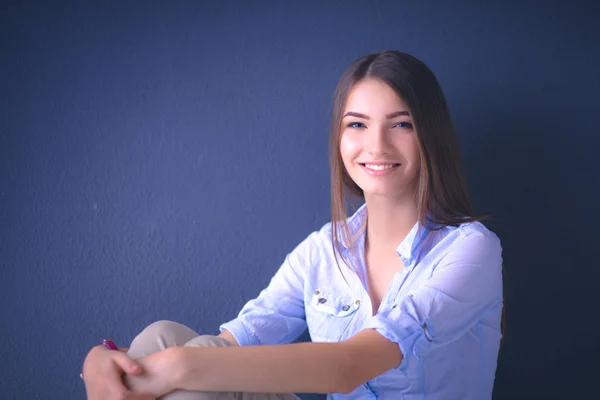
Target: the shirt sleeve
(277, 315)
(464, 286)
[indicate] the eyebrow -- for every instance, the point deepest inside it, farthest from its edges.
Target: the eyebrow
(389, 116)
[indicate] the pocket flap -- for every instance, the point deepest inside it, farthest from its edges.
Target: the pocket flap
(330, 303)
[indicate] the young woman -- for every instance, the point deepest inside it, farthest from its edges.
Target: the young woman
(403, 299)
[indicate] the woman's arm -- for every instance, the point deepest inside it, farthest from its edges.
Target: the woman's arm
(229, 337)
(300, 367)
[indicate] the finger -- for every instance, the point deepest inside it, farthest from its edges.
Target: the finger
(127, 364)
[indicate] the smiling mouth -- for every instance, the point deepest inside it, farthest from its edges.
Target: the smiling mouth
(379, 167)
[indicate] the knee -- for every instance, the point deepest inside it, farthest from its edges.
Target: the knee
(158, 336)
(161, 328)
(168, 333)
(208, 341)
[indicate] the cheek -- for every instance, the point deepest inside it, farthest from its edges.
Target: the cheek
(348, 149)
(412, 150)
(415, 158)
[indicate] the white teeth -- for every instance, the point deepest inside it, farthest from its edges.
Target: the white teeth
(379, 167)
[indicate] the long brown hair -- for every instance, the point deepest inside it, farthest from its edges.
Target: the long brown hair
(441, 196)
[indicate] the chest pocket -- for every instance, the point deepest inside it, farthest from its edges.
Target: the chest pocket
(328, 315)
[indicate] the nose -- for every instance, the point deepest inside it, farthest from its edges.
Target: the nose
(378, 144)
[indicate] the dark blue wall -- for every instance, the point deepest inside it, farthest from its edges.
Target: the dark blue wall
(157, 161)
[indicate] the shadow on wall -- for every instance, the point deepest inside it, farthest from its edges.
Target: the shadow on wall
(525, 163)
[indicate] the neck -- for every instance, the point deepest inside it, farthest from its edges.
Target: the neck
(389, 220)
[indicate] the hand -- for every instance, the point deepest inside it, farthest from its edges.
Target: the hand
(102, 371)
(160, 373)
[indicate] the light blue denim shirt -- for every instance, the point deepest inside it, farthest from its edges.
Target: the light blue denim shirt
(443, 309)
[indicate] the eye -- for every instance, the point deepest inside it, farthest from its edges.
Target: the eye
(403, 125)
(357, 125)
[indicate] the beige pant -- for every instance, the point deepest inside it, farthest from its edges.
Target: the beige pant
(163, 334)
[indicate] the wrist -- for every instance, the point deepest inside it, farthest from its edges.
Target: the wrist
(178, 359)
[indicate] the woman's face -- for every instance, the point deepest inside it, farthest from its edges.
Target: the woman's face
(378, 143)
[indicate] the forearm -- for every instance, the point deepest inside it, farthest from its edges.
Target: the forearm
(229, 337)
(300, 367)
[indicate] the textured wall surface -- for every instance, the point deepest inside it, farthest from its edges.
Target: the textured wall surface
(159, 159)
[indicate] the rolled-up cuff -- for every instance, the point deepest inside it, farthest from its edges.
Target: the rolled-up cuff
(241, 333)
(410, 338)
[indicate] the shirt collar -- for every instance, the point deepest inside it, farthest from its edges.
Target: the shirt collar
(407, 250)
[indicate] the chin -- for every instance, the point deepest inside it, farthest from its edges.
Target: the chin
(379, 192)
(395, 192)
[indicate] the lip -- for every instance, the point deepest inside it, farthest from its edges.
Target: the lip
(380, 172)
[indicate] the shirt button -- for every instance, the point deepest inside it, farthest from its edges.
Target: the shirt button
(317, 292)
(346, 308)
(357, 302)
